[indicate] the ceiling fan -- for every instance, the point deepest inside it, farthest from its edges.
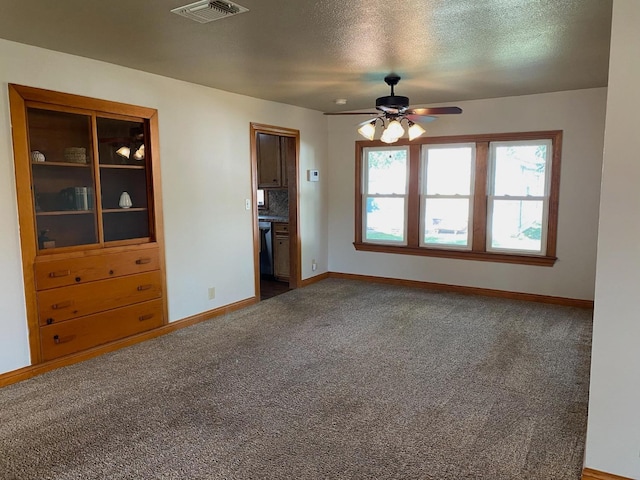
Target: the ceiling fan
(392, 110)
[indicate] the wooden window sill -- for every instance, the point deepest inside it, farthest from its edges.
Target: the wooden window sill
(541, 261)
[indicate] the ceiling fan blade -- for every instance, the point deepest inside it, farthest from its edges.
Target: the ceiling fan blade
(352, 113)
(421, 118)
(390, 110)
(434, 111)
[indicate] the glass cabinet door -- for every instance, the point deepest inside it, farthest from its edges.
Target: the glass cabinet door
(63, 180)
(124, 179)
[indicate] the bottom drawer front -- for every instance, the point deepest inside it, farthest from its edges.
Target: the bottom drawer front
(86, 332)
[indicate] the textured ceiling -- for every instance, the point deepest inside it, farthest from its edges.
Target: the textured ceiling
(309, 53)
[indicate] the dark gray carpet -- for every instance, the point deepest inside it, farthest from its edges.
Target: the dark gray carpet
(339, 380)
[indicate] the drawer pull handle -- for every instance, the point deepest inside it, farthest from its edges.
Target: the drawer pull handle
(78, 279)
(111, 272)
(148, 316)
(58, 339)
(49, 321)
(144, 287)
(58, 306)
(59, 273)
(142, 261)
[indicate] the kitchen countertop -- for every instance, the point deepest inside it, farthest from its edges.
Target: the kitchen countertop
(271, 218)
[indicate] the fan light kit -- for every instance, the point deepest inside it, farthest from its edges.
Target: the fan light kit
(395, 110)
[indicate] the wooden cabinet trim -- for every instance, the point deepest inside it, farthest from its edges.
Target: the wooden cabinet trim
(108, 107)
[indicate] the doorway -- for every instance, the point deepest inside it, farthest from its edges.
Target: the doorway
(275, 185)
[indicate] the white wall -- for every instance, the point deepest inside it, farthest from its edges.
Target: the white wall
(580, 114)
(613, 435)
(205, 163)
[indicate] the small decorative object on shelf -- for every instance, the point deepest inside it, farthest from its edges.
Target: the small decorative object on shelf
(125, 200)
(44, 241)
(37, 156)
(75, 154)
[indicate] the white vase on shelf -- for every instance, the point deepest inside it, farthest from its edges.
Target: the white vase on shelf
(125, 200)
(37, 156)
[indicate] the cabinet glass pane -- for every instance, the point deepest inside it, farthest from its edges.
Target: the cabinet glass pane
(121, 142)
(124, 179)
(63, 179)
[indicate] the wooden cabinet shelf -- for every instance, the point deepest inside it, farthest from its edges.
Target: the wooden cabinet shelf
(60, 164)
(124, 167)
(123, 210)
(94, 271)
(64, 212)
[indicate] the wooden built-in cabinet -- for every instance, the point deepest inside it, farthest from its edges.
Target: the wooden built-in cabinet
(87, 177)
(281, 266)
(274, 153)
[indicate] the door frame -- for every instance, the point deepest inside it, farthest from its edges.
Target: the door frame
(293, 187)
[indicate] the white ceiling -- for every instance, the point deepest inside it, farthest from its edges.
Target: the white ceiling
(311, 52)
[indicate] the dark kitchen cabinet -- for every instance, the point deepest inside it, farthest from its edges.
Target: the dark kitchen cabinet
(281, 265)
(275, 154)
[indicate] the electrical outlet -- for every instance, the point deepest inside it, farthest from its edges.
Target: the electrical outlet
(314, 265)
(247, 204)
(212, 293)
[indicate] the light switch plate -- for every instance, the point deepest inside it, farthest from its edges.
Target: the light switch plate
(313, 175)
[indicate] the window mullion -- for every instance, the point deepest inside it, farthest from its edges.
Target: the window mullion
(413, 198)
(479, 228)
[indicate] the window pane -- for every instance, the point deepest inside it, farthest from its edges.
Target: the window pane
(520, 170)
(385, 219)
(517, 224)
(387, 172)
(449, 171)
(446, 221)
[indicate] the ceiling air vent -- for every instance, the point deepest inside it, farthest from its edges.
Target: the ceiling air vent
(207, 11)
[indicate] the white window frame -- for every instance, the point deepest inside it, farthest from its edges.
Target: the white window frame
(424, 160)
(491, 197)
(366, 195)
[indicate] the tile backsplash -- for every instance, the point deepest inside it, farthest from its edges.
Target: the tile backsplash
(278, 203)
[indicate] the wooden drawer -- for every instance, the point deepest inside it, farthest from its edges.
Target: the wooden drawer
(281, 229)
(63, 303)
(72, 271)
(81, 333)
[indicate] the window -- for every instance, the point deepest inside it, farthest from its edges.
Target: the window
(385, 195)
(519, 196)
(447, 195)
(484, 197)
